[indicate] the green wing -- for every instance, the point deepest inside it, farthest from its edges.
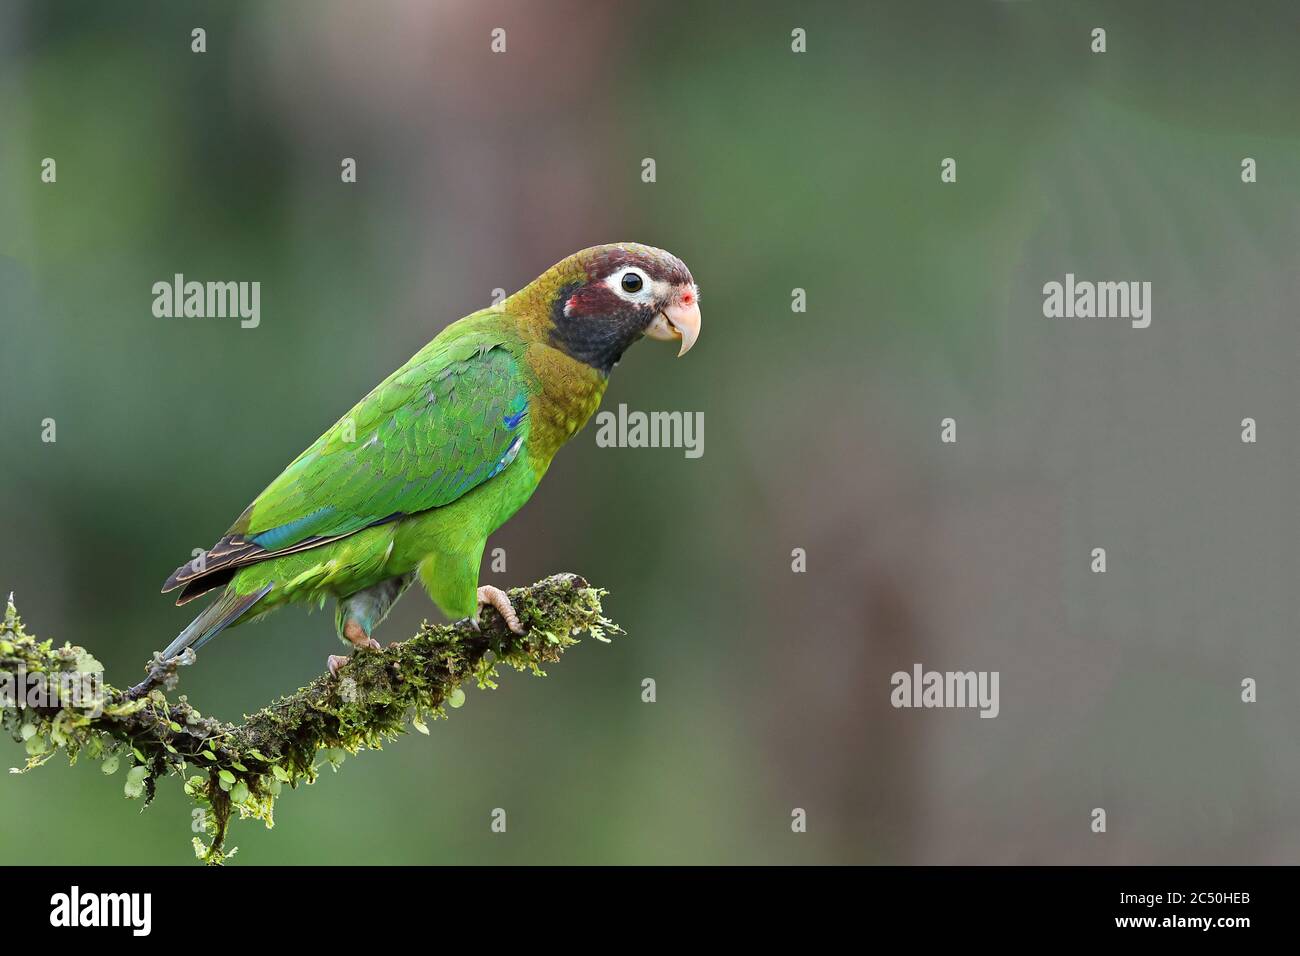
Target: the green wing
(447, 421)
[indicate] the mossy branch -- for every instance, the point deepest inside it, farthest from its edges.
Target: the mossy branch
(56, 700)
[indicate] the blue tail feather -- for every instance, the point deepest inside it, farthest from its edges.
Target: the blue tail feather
(213, 619)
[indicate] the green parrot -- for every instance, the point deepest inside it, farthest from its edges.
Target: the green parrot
(417, 475)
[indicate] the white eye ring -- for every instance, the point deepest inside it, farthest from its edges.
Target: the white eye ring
(643, 294)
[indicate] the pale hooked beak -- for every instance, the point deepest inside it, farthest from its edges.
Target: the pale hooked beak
(677, 321)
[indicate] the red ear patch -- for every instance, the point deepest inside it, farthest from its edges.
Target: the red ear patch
(572, 301)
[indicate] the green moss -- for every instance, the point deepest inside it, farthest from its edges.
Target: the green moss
(242, 769)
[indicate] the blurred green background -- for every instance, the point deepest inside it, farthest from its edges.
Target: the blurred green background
(775, 170)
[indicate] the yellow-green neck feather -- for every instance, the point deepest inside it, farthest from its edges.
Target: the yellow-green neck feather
(570, 390)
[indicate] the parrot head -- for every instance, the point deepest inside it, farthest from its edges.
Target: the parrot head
(599, 301)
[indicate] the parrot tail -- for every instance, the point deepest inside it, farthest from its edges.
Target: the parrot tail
(213, 619)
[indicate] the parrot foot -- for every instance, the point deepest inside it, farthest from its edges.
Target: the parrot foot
(335, 661)
(358, 638)
(494, 596)
(356, 635)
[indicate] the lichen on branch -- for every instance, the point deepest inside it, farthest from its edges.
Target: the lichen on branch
(242, 768)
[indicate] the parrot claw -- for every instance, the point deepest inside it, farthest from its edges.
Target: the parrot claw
(335, 661)
(359, 639)
(494, 596)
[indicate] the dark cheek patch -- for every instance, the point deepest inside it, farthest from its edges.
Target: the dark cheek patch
(595, 326)
(593, 301)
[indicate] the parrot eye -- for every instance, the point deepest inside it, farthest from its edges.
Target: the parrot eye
(632, 285)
